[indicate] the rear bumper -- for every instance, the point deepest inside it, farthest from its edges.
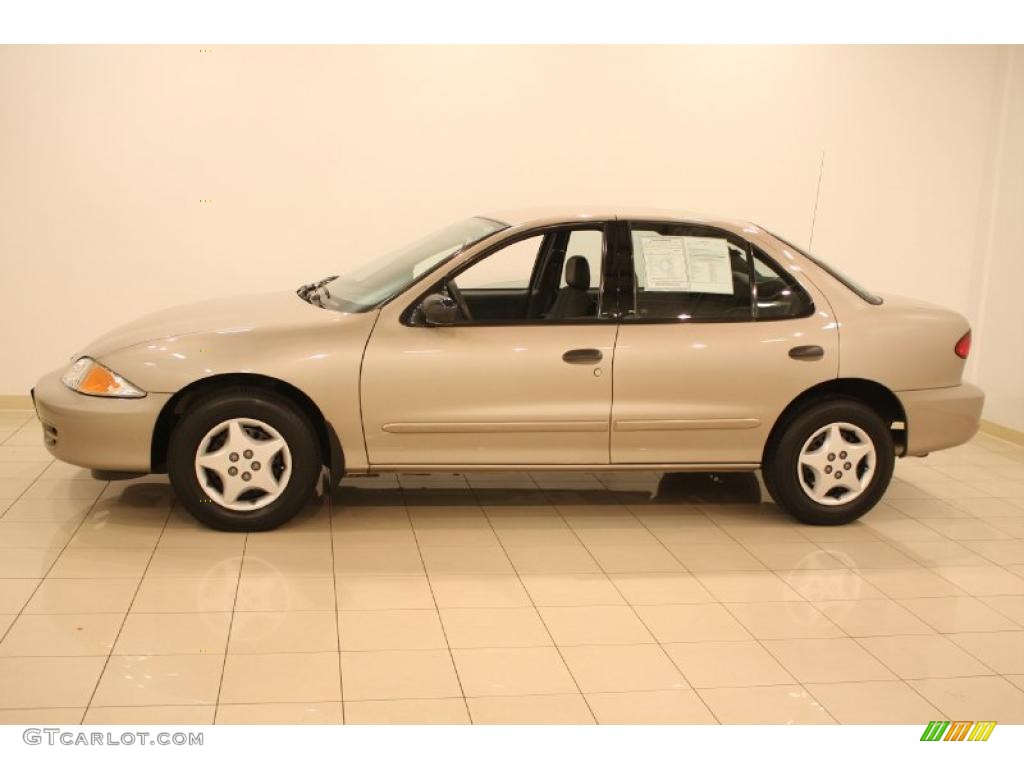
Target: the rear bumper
(97, 432)
(941, 418)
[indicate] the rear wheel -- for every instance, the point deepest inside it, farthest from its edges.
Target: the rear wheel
(830, 462)
(244, 460)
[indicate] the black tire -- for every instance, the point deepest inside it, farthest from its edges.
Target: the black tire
(781, 465)
(245, 403)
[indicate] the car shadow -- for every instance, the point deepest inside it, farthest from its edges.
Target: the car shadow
(682, 493)
(140, 495)
(709, 488)
(470, 491)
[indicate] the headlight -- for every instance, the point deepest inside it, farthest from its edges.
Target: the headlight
(90, 378)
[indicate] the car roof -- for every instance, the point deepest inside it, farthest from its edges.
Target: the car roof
(563, 214)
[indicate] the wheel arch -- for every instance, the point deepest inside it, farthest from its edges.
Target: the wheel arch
(330, 446)
(876, 396)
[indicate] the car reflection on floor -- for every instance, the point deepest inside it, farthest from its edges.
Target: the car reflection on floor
(528, 597)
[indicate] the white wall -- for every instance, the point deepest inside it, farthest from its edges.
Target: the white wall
(313, 159)
(997, 302)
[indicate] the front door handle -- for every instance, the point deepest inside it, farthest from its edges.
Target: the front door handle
(808, 352)
(583, 356)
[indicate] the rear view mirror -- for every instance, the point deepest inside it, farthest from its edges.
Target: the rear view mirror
(438, 309)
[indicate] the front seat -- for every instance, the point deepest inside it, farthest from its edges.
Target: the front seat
(573, 301)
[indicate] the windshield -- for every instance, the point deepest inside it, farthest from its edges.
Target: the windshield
(849, 282)
(387, 276)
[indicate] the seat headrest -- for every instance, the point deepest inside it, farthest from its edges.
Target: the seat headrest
(577, 273)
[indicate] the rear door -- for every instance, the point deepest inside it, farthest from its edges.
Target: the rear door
(718, 339)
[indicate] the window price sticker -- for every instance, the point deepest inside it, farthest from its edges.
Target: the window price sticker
(691, 264)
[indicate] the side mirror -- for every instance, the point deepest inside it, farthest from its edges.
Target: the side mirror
(438, 309)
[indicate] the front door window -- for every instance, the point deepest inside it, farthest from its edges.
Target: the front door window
(554, 276)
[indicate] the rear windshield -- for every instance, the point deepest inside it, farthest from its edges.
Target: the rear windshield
(853, 285)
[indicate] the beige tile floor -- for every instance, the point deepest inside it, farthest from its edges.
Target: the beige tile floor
(561, 598)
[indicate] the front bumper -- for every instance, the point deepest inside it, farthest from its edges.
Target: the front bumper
(941, 418)
(97, 432)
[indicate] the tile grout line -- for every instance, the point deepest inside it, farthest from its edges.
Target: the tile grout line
(433, 596)
(35, 479)
(127, 613)
(513, 696)
(533, 603)
(914, 562)
(523, 646)
(632, 607)
(724, 606)
(1005, 615)
(935, 630)
(845, 633)
(334, 581)
(906, 680)
(231, 625)
(939, 631)
(286, 702)
(46, 573)
(28, 418)
(704, 586)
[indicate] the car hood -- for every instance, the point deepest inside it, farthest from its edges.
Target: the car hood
(230, 315)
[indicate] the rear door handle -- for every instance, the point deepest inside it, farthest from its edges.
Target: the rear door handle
(583, 356)
(808, 352)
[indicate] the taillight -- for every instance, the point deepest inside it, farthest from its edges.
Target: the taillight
(963, 347)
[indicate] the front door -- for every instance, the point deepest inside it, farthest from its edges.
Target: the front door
(705, 364)
(524, 374)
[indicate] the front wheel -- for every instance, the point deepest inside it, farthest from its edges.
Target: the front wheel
(244, 460)
(831, 462)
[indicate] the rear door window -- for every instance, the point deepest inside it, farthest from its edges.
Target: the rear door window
(779, 296)
(689, 273)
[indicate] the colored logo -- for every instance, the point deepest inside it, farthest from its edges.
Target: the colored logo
(958, 730)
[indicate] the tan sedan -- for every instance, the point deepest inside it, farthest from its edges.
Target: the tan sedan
(606, 340)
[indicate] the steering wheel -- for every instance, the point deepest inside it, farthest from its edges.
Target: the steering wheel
(455, 293)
